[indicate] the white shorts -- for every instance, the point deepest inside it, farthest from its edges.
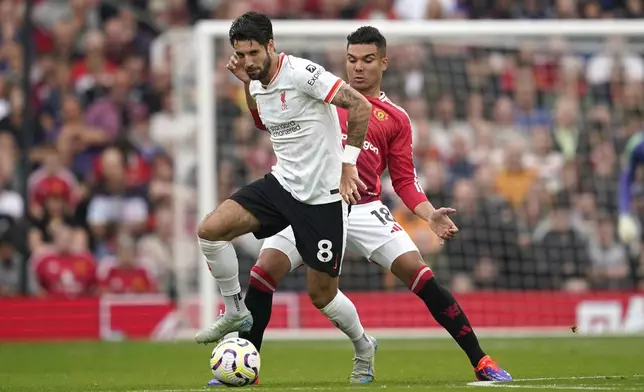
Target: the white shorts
(373, 233)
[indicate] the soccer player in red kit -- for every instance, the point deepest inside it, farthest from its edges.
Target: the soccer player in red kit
(372, 231)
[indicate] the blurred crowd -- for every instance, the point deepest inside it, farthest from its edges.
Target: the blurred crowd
(523, 140)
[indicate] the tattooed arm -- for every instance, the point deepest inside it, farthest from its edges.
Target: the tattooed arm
(359, 111)
(358, 121)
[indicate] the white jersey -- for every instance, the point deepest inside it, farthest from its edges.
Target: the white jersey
(304, 128)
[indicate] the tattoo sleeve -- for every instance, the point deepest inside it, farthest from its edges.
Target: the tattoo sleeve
(359, 111)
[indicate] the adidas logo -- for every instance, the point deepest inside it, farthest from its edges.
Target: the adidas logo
(396, 228)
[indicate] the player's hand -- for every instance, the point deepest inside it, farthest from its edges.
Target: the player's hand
(236, 69)
(441, 224)
(627, 228)
(350, 184)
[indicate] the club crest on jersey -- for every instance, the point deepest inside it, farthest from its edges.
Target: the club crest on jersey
(380, 114)
(283, 99)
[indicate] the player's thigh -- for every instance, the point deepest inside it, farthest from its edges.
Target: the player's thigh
(401, 256)
(229, 221)
(320, 235)
(249, 210)
(371, 226)
(279, 255)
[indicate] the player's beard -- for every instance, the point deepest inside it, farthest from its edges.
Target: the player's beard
(261, 75)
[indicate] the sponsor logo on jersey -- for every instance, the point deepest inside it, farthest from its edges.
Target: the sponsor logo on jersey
(311, 68)
(380, 114)
(314, 78)
(367, 146)
(283, 100)
(284, 129)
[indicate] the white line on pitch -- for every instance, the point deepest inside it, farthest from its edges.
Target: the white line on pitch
(496, 384)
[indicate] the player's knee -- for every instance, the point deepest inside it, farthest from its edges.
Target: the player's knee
(261, 280)
(411, 270)
(209, 230)
(274, 263)
(227, 222)
(321, 298)
(322, 289)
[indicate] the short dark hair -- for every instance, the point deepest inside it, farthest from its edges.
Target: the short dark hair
(368, 35)
(252, 26)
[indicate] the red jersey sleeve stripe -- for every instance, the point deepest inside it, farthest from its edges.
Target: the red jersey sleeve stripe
(334, 90)
(258, 121)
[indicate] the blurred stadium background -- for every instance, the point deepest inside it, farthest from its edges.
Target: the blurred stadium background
(523, 136)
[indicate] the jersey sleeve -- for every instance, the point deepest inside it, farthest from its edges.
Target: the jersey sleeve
(314, 80)
(257, 120)
(400, 160)
(634, 158)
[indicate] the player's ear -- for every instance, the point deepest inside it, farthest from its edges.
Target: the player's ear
(385, 63)
(270, 46)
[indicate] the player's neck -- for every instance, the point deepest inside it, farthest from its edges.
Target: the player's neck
(272, 70)
(373, 92)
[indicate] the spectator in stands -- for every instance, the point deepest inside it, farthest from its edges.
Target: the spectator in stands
(11, 262)
(614, 57)
(528, 112)
(609, 265)
(504, 127)
(94, 73)
(561, 252)
(445, 125)
(566, 132)
(156, 248)
(542, 158)
(472, 253)
(10, 124)
(52, 178)
(634, 9)
(53, 201)
(460, 165)
(114, 203)
(602, 176)
(60, 271)
(124, 273)
(77, 140)
(514, 181)
(170, 127)
(487, 149)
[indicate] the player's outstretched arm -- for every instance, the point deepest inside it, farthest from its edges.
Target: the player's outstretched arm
(400, 160)
(359, 110)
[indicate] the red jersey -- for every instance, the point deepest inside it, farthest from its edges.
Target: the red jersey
(388, 144)
(115, 278)
(65, 275)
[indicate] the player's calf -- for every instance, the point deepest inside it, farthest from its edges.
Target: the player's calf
(411, 269)
(271, 267)
(228, 221)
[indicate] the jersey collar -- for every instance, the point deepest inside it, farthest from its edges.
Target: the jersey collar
(280, 64)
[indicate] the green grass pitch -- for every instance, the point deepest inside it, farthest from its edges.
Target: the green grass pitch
(613, 364)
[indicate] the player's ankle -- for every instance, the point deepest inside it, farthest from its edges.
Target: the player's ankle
(362, 347)
(235, 306)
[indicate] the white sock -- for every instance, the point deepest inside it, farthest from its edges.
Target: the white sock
(224, 267)
(344, 315)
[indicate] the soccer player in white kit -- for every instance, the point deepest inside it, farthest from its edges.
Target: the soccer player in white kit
(372, 231)
(295, 100)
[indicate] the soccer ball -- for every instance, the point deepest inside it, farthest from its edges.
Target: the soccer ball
(235, 362)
